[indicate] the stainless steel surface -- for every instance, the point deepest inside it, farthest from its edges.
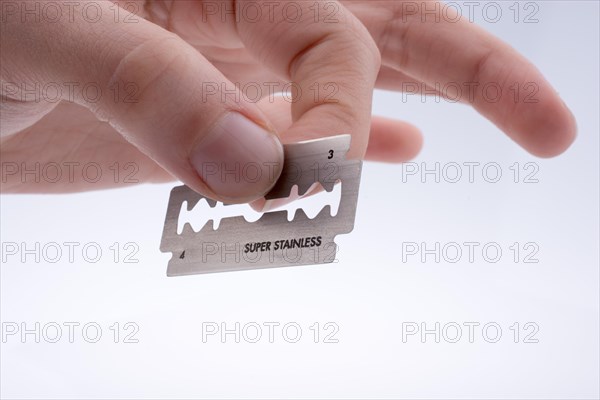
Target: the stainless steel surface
(283, 243)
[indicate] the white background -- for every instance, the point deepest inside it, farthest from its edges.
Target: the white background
(369, 294)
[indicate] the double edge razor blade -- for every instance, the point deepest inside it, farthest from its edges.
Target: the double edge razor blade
(272, 240)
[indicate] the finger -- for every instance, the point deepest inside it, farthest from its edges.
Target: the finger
(156, 90)
(333, 65)
(393, 141)
(98, 156)
(458, 58)
(390, 140)
(392, 79)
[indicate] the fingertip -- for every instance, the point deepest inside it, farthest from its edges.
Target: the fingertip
(393, 141)
(415, 144)
(554, 133)
(258, 205)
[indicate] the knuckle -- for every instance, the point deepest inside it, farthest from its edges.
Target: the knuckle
(142, 73)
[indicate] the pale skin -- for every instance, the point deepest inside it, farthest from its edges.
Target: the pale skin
(373, 44)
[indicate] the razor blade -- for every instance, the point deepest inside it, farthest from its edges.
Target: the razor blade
(272, 240)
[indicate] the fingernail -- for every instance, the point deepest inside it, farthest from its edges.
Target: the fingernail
(239, 160)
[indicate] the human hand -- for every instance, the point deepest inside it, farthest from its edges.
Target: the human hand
(162, 106)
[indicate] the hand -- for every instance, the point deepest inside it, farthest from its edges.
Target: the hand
(157, 93)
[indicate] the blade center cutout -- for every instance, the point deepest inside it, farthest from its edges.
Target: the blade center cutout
(315, 199)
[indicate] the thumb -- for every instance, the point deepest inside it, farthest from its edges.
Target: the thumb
(160, 93)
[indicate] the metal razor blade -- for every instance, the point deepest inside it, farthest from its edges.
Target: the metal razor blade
(272, 240)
